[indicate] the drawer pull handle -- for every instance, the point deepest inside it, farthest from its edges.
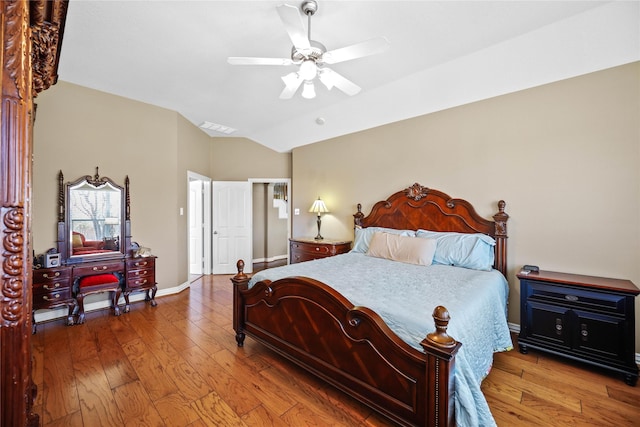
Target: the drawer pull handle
(46, 275)
(571, 298)
(104, 267)
(142, 282)
(584, 332)
(50, 288)
(55, 297)
(141, 264)
(558, 326)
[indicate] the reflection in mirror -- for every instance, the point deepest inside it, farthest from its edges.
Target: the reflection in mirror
(94, 218)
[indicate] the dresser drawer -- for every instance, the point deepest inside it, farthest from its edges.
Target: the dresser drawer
(44, 299)
(49, 276)
(146, 262)
(141, 272)
(98, 268)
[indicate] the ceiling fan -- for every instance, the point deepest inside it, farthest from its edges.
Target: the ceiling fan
(311, 56)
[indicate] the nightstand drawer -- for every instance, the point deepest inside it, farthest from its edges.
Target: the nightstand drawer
(309, 249)
(567, 296)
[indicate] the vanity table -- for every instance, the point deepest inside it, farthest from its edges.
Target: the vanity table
(95, 249)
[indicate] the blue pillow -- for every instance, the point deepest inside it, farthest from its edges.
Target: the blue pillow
(474, 251)
(364, 235)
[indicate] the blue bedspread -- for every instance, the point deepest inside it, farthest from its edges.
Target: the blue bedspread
(404, 295)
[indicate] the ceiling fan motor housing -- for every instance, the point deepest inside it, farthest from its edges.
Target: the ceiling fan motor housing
(315, 52)
(309, 7)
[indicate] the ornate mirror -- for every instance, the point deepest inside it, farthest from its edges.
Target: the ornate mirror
(93, 220)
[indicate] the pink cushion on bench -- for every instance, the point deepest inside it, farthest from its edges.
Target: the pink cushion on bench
(98, 279)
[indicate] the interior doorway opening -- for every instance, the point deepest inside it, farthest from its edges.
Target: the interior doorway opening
(199, 224)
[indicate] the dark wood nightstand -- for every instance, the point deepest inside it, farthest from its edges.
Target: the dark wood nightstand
(585, 318)
(307, 249)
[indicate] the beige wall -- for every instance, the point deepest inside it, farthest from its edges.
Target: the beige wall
(565, 157)
(78, 129)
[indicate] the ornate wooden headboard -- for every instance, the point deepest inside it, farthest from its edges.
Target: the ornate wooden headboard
(419, 207)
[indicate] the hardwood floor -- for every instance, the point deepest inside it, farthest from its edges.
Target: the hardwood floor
(178, 365)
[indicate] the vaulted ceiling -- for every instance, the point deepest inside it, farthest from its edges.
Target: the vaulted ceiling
(173, 54)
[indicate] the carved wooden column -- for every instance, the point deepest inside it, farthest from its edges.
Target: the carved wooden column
(16, 393)
(25, 42)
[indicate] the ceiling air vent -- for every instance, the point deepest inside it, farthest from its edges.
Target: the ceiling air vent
(218, 128)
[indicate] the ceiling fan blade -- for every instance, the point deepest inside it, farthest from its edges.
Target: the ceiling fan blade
(243, 60)
(332, 79)
(293, 23)
(292, 82)
(358, 50)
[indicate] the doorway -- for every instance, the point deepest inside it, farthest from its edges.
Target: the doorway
(199, 224)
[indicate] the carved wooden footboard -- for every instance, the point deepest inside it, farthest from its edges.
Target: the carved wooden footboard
(350, 347)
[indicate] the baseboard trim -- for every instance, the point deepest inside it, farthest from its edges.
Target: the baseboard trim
(61, 313)
(270, 259)
(515, 328)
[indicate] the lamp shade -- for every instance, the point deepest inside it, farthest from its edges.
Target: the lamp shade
(318, 207)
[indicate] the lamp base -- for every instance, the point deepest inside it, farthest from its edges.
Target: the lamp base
(319, 237)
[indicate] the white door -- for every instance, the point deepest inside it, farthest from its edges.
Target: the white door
(196, 227)
(232, 226)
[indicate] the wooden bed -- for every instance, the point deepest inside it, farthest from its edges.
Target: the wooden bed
(409, 387)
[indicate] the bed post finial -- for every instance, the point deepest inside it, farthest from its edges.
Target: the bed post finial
(357, 217)
(240, 267)
(440, 337)
(500, 220)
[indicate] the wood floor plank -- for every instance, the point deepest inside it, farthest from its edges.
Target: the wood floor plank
(275, 398)
(239, 397)
(175, 410)
(59, 388)
(135, 406)
(149, 370)
(97, 403)
(261, 417)
(214, 411)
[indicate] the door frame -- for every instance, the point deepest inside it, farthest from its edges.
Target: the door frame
(206, 219)
(273, 181)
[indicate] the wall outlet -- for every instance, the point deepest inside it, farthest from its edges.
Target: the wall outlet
(296, 211)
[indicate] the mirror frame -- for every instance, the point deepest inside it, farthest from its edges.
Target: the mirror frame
(64, 220)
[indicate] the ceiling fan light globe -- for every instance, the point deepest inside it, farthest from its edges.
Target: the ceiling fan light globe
(308, 90)
(308, 69)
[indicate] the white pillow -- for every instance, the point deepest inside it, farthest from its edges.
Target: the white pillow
(363, 236)
(396, 247)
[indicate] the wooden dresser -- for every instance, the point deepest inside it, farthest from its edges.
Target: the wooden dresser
(52, 289)
(141, 276)
(307, 249)
(585, 318)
